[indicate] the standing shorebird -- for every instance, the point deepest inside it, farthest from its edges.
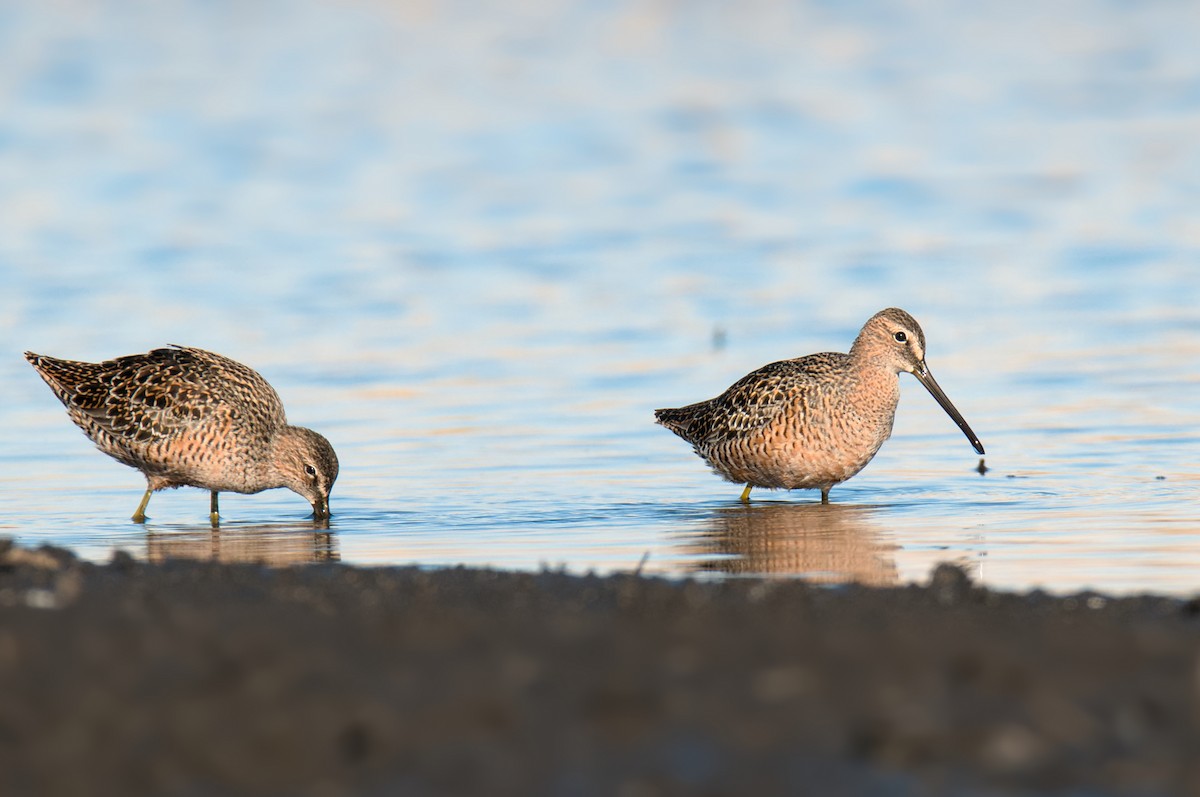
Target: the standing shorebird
(814, 421)
(188, 417)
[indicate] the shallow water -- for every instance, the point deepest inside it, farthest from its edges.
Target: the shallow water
(477, 247)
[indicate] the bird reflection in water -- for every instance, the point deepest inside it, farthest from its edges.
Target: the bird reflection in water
(822, 543)
(275, 544)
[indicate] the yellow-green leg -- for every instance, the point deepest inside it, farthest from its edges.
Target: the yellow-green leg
(213, 515)
(746, 494)
(139, 515)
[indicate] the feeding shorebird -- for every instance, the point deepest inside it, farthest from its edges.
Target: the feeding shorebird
(814, 421)
(188, 417)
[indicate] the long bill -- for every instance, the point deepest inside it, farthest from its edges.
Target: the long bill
(321, 508)
(926, 378)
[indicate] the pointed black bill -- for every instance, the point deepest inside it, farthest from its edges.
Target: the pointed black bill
(926, 378)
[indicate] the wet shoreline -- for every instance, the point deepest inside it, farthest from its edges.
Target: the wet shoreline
(192, 677)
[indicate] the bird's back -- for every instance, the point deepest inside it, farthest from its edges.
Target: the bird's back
(754, 401)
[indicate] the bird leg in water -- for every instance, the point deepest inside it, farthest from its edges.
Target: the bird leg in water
(746, 494)
(213, 515)
(139, 515)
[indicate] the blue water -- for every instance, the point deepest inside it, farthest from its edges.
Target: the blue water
(476, 245)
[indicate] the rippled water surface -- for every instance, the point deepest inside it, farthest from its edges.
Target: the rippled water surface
(476, 246)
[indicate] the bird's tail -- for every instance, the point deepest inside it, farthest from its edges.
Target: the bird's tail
(675, 419)
(63, 376)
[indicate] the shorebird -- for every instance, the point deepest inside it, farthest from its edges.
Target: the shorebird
(814, 421)
(189, 417)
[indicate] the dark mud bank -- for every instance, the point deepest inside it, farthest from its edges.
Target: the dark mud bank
(195, 678)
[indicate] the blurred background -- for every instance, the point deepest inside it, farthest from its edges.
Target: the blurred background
(476, 244)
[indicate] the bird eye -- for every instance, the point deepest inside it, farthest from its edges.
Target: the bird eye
(310, 470)
(900, 337)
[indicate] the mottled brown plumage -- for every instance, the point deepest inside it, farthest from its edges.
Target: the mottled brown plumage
(814, 421)
(188, 417)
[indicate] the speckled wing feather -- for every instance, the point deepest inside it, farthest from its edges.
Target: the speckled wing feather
(138, 399)
(751, 403)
